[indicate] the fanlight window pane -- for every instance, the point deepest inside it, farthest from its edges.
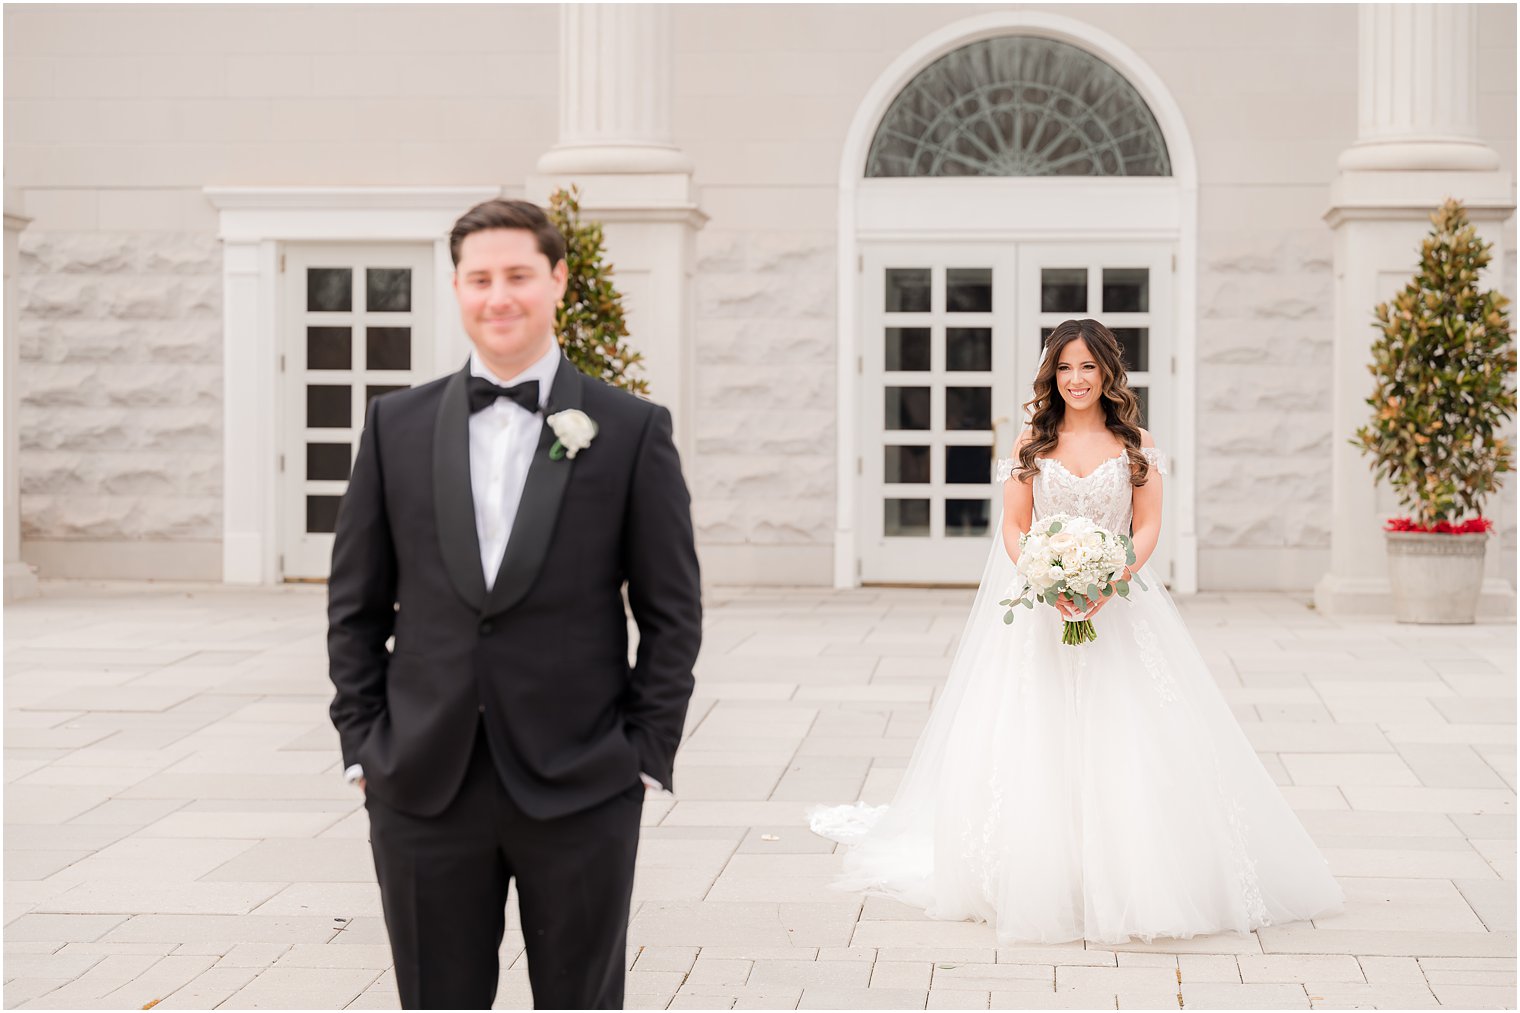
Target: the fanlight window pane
(1017, 105)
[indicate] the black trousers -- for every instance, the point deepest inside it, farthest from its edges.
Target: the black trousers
(443, 887)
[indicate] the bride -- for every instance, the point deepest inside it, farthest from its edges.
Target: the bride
(1102, 791)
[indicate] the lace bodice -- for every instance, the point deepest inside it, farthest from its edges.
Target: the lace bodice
(1104, 496)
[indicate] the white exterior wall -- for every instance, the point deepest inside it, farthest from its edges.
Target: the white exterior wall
(116, 117)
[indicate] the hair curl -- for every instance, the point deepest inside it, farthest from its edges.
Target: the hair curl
(1047, 409)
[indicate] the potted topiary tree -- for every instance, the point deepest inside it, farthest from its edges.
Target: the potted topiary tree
(590, 318)
(1444, 362)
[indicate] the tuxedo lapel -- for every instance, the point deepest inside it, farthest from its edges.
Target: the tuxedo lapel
(539, 508)
(453, 501)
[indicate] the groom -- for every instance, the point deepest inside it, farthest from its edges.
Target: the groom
(491, 523)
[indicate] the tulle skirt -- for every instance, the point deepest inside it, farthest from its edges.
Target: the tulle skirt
(1103, 791)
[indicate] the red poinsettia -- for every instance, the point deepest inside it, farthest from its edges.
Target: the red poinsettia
(1475, 526)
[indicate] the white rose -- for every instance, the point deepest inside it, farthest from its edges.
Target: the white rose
(574, 429)
(1061, 541)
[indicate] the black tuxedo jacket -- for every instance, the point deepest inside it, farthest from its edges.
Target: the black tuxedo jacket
(542, 657)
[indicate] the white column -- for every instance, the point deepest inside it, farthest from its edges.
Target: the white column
(614, 92)
(616, 144)
(1417, 145)
(20, 580)
(1418, 98)
(249, 392)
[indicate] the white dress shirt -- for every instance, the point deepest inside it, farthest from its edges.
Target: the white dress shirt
(503, 437)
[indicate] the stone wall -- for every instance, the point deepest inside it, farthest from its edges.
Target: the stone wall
(1265, 336)
(120, 386)
(765, 388)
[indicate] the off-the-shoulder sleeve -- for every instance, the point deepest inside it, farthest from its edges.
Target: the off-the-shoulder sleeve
(1005, 469)
(1156, 459)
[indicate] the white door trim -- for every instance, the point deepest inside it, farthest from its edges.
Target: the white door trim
(1159, 209)
(254, 222)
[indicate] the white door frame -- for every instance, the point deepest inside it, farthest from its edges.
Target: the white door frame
(255, 222)
(1095, 209)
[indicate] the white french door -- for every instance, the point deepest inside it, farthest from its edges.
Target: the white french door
(357, 325)
(953, 336)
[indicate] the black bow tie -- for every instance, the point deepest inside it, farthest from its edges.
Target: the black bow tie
(483, 394)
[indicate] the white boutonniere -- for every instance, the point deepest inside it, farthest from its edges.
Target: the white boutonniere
(574, 430)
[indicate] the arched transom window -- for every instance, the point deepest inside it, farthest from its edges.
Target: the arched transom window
(1019, 105)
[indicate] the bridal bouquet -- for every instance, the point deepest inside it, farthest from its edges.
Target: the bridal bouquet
(1067, 556)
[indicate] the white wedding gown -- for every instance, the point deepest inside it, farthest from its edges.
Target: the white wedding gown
(1102, 791)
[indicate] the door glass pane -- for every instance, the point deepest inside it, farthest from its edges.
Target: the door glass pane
(374, 390)
(1045, 333)
(1126, 290)
(1144, 395)
(327, 462)
(1135, 343)
(322, 514)
(388, 348)
(906, 465)
(907, 407)
(968, 465)
(968, 349)
(968, 407)
(388, 289)
(906, 518)
(968, 290)
(329, 348)
(329, 406)
(907, 290)
(967, 517)
(329, 289)
(1063, 290)
(907, 349)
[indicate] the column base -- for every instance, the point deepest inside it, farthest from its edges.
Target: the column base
(20, 582)
(1424, 154)
(1372, 598)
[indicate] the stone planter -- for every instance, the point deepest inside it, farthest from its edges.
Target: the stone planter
(1435, 578)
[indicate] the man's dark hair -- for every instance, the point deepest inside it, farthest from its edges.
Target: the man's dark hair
(499, 213)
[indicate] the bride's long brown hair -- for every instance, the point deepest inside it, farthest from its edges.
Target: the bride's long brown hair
(1047, 409)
